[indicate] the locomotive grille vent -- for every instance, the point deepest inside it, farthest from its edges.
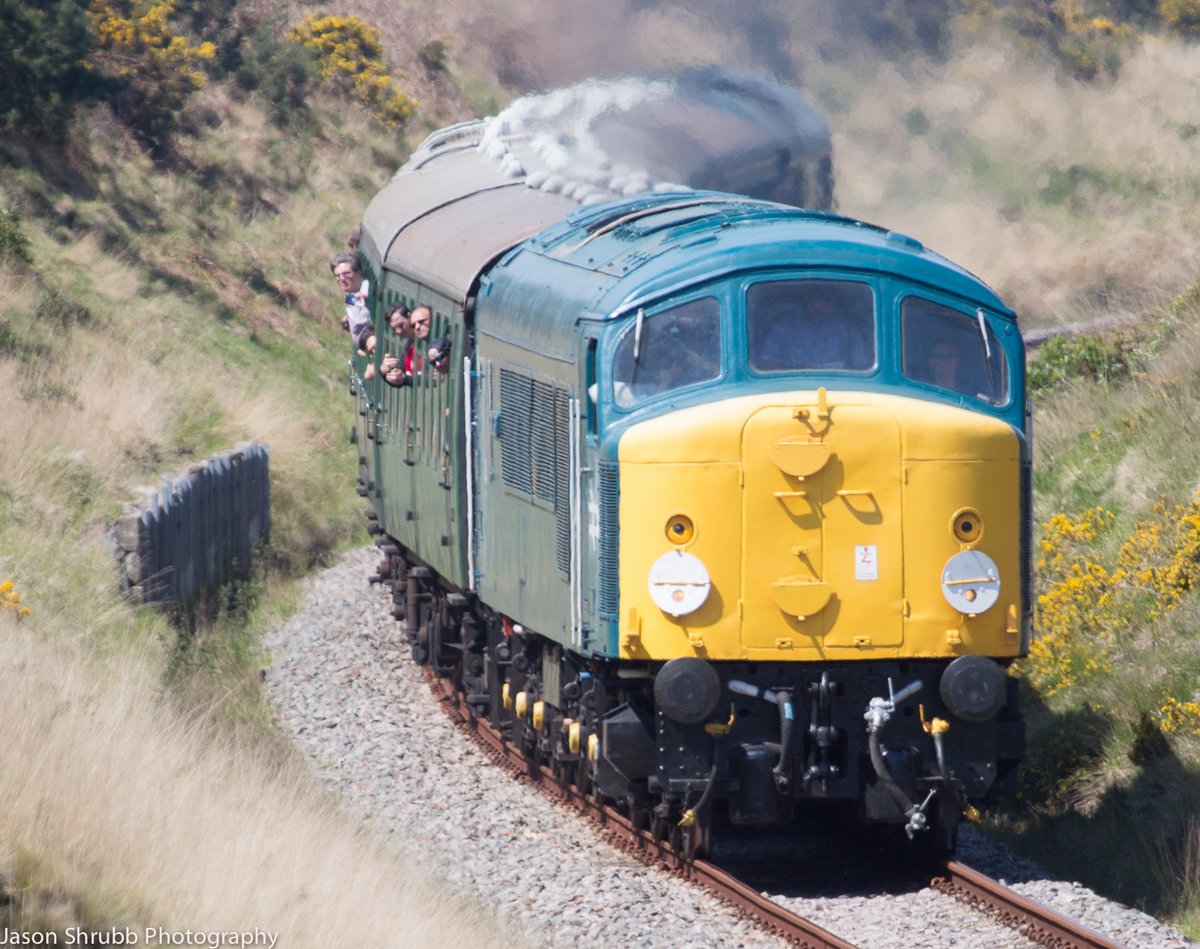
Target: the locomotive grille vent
(562, 481)
(610, 528)
(535, 450)
(541, 424)
(516, 407)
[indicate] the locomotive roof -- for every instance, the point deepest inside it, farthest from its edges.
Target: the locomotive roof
(605, 261)
(670, 240)
(455, 209)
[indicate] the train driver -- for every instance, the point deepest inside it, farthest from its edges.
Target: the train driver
(671, 349)
(811, 324)
(943, 365)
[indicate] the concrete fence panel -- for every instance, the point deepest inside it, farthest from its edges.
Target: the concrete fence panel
(198, 530)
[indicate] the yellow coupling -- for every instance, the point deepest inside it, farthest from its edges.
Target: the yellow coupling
(539, 715)
(521, 705)
(593, 747)
(574, 736)
(506, 697)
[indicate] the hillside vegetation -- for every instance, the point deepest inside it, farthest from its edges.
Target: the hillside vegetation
(174, 177)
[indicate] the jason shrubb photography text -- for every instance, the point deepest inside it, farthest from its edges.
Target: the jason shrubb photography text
(150, 936)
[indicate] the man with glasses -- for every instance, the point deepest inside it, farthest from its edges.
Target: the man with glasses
(347, 271)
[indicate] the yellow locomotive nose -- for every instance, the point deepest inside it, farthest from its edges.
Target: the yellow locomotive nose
(849, 525)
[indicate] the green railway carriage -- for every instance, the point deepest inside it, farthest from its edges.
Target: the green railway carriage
(711, 481)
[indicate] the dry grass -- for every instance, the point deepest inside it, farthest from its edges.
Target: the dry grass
(117, 400)
(164, 822)
(1018, 165)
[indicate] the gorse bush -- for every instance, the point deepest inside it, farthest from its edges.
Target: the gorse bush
(10, 599)
(157, 67)
(1183, 16)
(137, 42)
(1074, 610)
(351, 56)
(1083, 605)
(1179, 718)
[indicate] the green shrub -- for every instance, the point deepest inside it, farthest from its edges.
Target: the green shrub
(432, 57)
(1101, 359)
(282, 72)
(42, 76)
(917, 122)
(14, 245)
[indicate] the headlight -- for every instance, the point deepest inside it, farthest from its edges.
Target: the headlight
(679, 583)
(971, 581)
(967, 525)
(680, 530)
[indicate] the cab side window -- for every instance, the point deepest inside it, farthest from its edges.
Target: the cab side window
(668, 350)
(953, 350)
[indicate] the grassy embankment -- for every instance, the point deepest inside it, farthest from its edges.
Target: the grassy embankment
(150, 314)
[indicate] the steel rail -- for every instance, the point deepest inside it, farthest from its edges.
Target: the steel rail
(1038, 923)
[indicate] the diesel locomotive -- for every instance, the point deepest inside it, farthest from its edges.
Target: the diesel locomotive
(722, 508)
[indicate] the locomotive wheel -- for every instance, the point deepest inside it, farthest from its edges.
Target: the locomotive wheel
(583, 777)
(436, 647)
(661, 826)
(420, 648)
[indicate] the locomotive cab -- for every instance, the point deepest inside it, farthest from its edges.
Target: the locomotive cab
(822, 552)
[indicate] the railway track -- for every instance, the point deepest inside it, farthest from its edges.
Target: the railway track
(1031, 920)
(1041, 925)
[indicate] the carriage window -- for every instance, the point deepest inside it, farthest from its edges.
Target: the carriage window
(811, 324)
(668, 350)
(953, 350)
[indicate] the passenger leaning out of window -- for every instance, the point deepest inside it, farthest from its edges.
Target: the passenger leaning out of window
(347, 271)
